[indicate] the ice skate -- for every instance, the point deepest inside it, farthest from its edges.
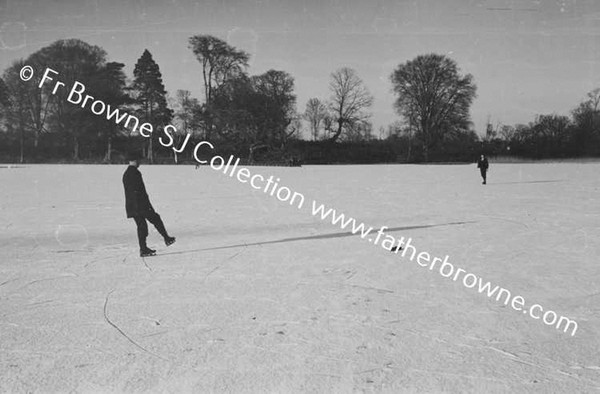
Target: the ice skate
(147, 252)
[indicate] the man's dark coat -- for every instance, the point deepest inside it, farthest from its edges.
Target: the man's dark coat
(137, 202)
(483, 164)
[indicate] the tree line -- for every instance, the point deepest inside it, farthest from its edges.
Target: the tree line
(551, 135)
(256, 117)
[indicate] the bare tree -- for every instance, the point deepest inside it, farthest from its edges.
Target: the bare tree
(293, 130)
(359, 132)
(587, 113)
(187, 111)
(21, 112)
(594, 99)
(552, 127)
(220, 62)
(433, 96)
(328, 125)
(349, 101)
(275, 91)
(507, 132)
(315, 114)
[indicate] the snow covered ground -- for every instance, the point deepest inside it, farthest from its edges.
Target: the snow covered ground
(259, 296)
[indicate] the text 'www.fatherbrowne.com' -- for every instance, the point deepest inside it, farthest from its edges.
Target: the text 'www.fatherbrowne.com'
(445, 268)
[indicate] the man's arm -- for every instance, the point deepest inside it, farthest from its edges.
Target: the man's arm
(140, 191)
(140, 188)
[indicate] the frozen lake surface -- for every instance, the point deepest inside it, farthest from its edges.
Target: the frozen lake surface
(260, 296)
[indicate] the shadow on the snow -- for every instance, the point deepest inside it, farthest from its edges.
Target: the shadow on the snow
(512, 183)
(314, 237)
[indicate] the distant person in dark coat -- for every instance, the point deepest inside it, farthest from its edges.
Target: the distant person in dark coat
(483, 165)
(138, 207)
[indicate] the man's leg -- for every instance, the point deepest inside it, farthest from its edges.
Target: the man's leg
(142, 231)
(155, 219)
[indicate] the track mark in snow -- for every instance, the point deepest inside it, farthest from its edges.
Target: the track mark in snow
(8, 281)
(227, 259)
(236, 254)
(153, 320)
(414, 332)
(155, 334)
(326, 375)
(211, 271)
(508, 220)
(593, 367)
(369, 371)
(99, 259)
(121, 331)
(548, 368)
(377, 289)
(512, 356)
(287, 353)
(40, 303)
(146, 264)
(46, 279)
(458, 375)
(518, 359)
(509, 355)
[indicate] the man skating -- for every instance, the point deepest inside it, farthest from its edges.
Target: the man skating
(483, 165)
(138, 207)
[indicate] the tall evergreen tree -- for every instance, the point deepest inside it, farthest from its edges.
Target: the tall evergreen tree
(111, 81)
(150, 97)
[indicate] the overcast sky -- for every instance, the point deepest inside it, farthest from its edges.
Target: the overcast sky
(527, 57)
